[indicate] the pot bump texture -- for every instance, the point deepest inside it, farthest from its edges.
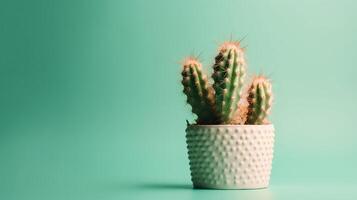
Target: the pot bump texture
(230, 156)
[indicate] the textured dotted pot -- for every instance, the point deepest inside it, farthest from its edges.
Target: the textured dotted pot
(230, 156)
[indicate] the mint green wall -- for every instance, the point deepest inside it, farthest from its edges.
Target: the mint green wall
(90, 94)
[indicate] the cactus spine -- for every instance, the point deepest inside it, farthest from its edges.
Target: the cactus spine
(199, 92)
(228, 76)
(260, 101)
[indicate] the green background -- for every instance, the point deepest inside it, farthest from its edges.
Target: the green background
(91, 104)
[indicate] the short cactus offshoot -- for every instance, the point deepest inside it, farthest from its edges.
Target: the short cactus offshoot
(223, 102)
(260, 101)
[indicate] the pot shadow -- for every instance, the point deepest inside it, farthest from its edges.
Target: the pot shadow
(153, 188)
(144, 186)
(164, 186)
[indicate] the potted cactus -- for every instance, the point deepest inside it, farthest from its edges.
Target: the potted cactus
(230, 145)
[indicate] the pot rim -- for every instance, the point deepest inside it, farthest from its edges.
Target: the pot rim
(231, 125)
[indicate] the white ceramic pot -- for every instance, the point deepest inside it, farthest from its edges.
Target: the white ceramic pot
(230, 156)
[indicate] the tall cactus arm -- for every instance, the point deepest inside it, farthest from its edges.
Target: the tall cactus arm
(199, 92)
(260, 101)
(229, 73)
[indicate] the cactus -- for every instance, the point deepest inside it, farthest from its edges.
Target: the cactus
(223, 103)
(229, 72)
(199, 92)
(260, 101)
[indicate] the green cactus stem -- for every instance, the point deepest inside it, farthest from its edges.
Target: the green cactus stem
(260, 101)
(229, 73)
(200, 94)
